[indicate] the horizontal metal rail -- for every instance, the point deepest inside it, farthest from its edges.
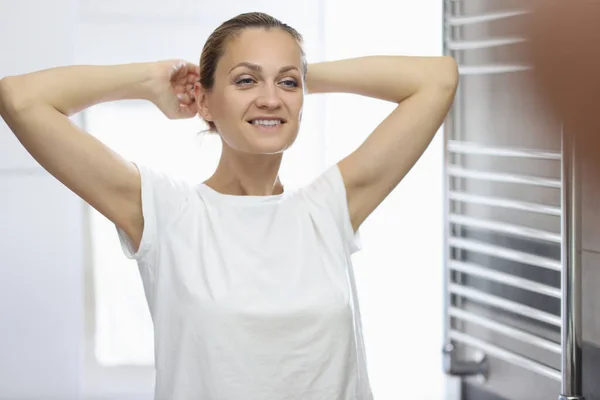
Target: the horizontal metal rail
(508, 305)
(505, 228)
(504, 203)
(478, 149)
(506, 355)
(483, 18)
(504, 253)
(475, 70)
(504, 278)
(506, 330)
(460, 172)
(482, 44)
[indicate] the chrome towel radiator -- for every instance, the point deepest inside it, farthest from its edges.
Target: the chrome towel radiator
(499, 315)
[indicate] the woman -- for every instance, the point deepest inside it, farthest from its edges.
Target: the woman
(250, 287)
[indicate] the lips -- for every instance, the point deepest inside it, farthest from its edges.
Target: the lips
(267, 123)
(267, 120)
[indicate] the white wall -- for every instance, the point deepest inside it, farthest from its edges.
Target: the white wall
(42, 252)
(41, 310)
(399, 271)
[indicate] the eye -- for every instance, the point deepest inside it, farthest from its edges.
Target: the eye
(291, 83)
(245, 81)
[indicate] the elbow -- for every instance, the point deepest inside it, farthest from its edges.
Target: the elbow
(441, 77)
(10, 99)
(447, 75)
(4, 95)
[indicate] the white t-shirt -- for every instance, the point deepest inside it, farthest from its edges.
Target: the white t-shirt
(252, 297)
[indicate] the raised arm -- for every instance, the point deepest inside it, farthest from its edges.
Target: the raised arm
(36, 108)
(423, 88)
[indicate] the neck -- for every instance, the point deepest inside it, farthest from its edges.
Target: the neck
(245, 174)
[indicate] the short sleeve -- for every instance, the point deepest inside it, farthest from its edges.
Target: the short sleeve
(329, 190)
(162, 199)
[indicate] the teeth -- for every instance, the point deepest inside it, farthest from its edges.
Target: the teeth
(266, 122)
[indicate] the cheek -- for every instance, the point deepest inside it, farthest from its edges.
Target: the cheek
(238, 103)
(296, 103)
(219, 115)
(230, 110)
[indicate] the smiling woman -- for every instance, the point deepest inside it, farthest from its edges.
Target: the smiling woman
(224, 35)
(256, 89)
(250, 287)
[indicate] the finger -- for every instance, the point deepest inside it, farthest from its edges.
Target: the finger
(192, 78)
(188, 67)
(177, 68)
(184, 80)
(185, 98)
(193, 69)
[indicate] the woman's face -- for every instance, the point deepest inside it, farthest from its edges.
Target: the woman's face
(257, 99)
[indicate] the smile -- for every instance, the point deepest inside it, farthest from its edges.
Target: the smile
(267, 124)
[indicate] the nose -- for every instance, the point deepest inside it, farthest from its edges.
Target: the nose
(268, 97)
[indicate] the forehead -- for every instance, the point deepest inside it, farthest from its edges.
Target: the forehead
(271, 48)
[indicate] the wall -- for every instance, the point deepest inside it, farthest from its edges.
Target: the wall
(399, 271)
(43, 249)
(41, 310)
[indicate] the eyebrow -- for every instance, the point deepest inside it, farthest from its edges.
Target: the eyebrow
(258, 68)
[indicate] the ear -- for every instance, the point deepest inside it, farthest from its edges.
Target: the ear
(201, 96)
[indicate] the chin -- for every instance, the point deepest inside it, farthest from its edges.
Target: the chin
(271, 140)
(269, 147)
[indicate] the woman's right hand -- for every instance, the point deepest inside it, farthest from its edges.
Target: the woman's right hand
(172, 88)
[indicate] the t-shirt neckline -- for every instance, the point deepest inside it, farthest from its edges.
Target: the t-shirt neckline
(241, 199)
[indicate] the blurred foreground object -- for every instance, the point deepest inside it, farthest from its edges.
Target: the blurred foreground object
(564, 46)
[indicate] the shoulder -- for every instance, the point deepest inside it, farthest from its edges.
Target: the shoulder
(326, 186)
(327, 201)
(164, 195)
